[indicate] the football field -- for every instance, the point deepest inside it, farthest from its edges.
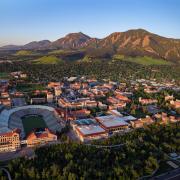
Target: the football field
(32, 122)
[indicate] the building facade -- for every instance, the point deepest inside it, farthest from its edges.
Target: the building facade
(10, 141)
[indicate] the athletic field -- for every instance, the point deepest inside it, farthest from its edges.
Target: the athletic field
(32, 122)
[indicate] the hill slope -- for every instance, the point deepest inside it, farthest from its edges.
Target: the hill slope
(142, 43)
(72, 40)
(136, 42)
(47, 60)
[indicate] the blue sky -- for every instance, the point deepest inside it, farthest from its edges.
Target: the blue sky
(22, 21)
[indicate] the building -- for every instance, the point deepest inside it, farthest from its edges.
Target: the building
(88, 129)
(78, 103)
(5, 101)
(78, 114)
(137, 124)
(168, 98)
(112, 123)
(57, 91)
(10, 141)
(38, 100)
(5, 95)
(122, 98)
(50, 97)
(141, 122)
(147, 101)
(38, 137)
(175, 104)
(54, 84)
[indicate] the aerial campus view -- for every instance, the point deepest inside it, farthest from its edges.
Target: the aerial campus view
(89, 89)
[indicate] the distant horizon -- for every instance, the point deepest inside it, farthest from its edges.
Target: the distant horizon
(26, 21)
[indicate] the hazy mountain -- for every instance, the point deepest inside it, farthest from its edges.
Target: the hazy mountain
(44, 44)
(137, 42)
(11, 47)
(38, 45)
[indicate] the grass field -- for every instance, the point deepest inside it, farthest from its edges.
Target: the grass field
(23, 53)
(143, 60)
(32, 122)
(47, 60)
(30, 87)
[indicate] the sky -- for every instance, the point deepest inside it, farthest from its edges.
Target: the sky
(23, 21)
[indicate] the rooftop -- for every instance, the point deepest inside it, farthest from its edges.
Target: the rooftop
(90, 129)
(111, 121)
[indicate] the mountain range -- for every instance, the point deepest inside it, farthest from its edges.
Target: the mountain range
(137, 42)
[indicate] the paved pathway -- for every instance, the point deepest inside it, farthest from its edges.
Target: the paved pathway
(7, 173)
(171, 175)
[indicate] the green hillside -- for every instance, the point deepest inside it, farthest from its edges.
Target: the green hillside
(48, 60)
(23, 53)
(56, 52)
(142, 60)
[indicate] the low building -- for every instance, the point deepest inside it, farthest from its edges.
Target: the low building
(88, 129)
(54, 84)
(6, 102)
(175, 104)
(10, 141)
(57, 91)
(78, 114)
(5, 95)
(147, 101)
(112, 123)
(38, 100)
(123, 98)
(17, 102)
(50, 97)
(39, 137)
(147, 120)
(141, 122)
(137, 124)
(169, 98)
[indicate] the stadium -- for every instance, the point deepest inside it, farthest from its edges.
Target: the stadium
(28, 118)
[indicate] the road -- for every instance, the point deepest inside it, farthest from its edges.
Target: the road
(171, 175)
(20, 153)
(7, 173)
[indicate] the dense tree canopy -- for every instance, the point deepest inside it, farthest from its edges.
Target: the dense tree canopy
(140, 155)
(99, 69)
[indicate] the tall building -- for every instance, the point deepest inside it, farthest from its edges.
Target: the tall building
(10, 141)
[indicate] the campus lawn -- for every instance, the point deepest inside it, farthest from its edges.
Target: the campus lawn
(32, 122)
(30, 87)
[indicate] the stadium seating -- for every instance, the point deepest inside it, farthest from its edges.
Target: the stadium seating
(10, 119)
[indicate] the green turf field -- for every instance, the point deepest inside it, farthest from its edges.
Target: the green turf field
(32, 122)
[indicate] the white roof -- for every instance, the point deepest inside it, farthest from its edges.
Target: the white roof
(112, 121)
(129, 118)
(117, 113)
(72, 78)
(90, 129)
